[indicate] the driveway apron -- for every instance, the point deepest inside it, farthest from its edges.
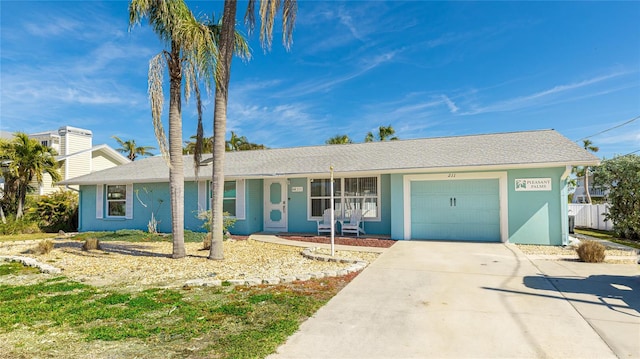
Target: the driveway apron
(475, 300)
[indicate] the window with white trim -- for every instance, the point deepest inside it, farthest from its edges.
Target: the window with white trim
(116, 200)
(229, 198)
(233, 198)
(349, 194)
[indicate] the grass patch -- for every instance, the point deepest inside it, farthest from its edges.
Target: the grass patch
(17, 268)
(221, 322)
(136, 235)
(607, 235)
(26, 237)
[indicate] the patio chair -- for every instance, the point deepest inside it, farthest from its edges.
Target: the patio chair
(353, 226)
(324, 225)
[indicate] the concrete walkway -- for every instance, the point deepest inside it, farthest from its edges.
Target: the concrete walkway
(471, 300)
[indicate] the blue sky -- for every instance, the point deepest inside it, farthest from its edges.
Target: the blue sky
(429, 69)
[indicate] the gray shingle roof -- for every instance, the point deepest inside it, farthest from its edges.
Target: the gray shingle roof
(544, 148)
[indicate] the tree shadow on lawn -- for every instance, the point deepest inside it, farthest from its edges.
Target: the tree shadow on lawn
(106, 248)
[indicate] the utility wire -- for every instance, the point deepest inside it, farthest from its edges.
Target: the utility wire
(612, 128)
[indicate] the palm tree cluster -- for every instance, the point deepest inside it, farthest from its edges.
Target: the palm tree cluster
(235, 143)
(384, 133)
(199, 51)
(24, 162)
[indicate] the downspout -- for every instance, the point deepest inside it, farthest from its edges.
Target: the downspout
(564, 205)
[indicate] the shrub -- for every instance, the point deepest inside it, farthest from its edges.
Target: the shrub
(19, 226)
(206, 243)
(620, 176)
(56, 211)
(591, 252)
(43, 247)
(91, 243)
(227, 223)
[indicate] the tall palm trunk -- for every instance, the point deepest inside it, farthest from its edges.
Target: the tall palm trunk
(223, 71)
(176, 170)
(587, 195)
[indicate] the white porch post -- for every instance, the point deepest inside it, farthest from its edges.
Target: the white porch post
(333, 222)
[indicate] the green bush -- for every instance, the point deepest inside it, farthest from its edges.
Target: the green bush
(591, 252)
(19, 226)
(621, 176)
(55, 212)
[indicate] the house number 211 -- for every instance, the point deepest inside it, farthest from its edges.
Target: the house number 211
(451, 175)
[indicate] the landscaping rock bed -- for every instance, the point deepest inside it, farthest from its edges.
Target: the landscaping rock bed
(145, 264)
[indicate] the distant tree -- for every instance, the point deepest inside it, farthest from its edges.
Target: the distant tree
(621, 176)
(190, 146)
(339, 140)
(584, 171)
(384, 134)
(235, 142)
(131, 149)
(25, 160)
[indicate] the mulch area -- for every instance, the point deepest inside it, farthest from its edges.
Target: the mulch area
(348, 241)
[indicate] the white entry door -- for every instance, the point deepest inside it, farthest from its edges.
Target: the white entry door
(275, 205)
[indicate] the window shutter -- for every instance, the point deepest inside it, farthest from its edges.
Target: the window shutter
(202, 196)
(240, 207)
(129, 202)
(99, 201)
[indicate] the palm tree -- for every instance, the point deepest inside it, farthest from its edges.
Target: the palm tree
(235, 142)
(190, 146)
(226, 43)
(339, 140)
(191, 52)
(384, 133)
(26, 160)
(131, 149)
(589, 146)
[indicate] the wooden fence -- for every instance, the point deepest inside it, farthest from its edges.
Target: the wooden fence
(590, 216)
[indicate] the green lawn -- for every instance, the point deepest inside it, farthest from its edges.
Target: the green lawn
(218, 322)
(607, 235)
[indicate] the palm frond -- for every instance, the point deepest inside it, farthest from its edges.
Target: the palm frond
(156, 97)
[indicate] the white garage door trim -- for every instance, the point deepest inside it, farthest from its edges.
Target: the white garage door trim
(454, 176)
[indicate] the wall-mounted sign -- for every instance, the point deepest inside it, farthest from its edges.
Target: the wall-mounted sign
(296, 189)
(533, 184)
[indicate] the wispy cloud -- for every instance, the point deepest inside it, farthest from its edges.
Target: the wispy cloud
(321, 85)
(540, 97)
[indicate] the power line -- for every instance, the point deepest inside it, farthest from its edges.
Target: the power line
(630, 153)
(611, 128)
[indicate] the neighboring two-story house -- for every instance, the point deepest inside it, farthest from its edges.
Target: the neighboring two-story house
(580, 195)
(76, 154)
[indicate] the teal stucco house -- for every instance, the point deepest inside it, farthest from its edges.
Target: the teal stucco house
(504, 187)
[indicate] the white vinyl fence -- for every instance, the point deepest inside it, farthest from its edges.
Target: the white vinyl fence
(590, 216)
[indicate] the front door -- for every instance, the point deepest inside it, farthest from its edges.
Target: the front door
(275, 205)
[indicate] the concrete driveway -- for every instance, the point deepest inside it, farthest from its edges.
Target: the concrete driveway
(472, 300)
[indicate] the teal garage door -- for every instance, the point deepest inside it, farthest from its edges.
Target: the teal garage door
(467, 210)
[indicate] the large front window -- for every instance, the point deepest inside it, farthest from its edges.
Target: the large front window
(349, 193)
(116, 200)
